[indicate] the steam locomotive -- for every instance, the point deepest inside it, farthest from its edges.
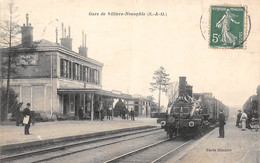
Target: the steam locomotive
(190, 114)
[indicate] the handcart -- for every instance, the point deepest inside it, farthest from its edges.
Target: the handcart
(254, 125)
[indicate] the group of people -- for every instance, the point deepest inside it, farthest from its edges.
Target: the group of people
(243, 120)
(125, 113)
(27, 116)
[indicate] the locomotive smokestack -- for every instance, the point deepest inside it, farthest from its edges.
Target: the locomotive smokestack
(182, 86)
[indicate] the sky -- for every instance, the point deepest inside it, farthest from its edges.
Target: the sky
(133, 47)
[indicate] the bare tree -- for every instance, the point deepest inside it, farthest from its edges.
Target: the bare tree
(172, 91)
(10, 52)
(160, 81)
(9, 32)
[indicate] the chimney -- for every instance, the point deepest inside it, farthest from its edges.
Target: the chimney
(66, 41)
(56, 31)
(83, 49)
(27, 32)
(182, 86)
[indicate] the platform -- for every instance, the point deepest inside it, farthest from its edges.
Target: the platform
(237, 146)
(11, 135)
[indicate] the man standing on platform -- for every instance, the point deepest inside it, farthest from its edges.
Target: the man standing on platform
(221, 124)
(27, 119)
(132, 113)
(81, 114)
(238, 118)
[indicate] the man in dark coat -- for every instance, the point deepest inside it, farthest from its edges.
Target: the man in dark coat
(132, 113)
(108, 113)
(27, 114)
(101, 114)
(238, 118)
(81, 114)
(221, 124)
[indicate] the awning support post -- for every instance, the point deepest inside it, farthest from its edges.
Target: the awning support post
(92, 107)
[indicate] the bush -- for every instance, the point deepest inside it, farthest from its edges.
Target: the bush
(13, 103)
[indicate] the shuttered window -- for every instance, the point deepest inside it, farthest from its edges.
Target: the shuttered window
(98, 77)
(70, 70)
(61, 67)
(65, 68)
(74, 70)
(84, 73)
(81, 73)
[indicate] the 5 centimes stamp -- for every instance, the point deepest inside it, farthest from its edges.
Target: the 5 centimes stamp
(227, 27)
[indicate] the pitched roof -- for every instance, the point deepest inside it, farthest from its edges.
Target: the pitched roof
(46, 45)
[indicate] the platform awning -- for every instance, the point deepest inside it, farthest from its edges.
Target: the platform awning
(94, 91)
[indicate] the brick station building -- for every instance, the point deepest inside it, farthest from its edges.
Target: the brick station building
(58, 80)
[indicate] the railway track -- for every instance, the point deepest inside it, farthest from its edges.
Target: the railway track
(69, 147)
(142, 153)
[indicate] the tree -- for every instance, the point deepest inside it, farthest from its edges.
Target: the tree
(119, 107)
(160, 81)
(10, 52)
(9, 32)
(172, 91)
(153, 105)
(12, 100)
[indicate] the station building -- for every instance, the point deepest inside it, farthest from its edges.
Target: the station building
(141, 106)
(58, 80)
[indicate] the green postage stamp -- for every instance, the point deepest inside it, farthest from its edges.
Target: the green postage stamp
(227, 27)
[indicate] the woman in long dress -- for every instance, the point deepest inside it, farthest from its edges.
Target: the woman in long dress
(243, 119)
(224, 22)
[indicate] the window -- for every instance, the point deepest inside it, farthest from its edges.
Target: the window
(88, 74)
(64, 68)
(98, 77)
(80, 72)
(95, 76)
(61, 67)
(76, 71)
(70, 70)
(84, 73)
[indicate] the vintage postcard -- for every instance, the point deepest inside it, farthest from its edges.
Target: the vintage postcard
(130, 81)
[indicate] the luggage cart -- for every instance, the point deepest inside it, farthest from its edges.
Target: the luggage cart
(254, 125)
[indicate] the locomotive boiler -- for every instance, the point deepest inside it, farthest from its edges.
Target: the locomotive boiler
(184, 116)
